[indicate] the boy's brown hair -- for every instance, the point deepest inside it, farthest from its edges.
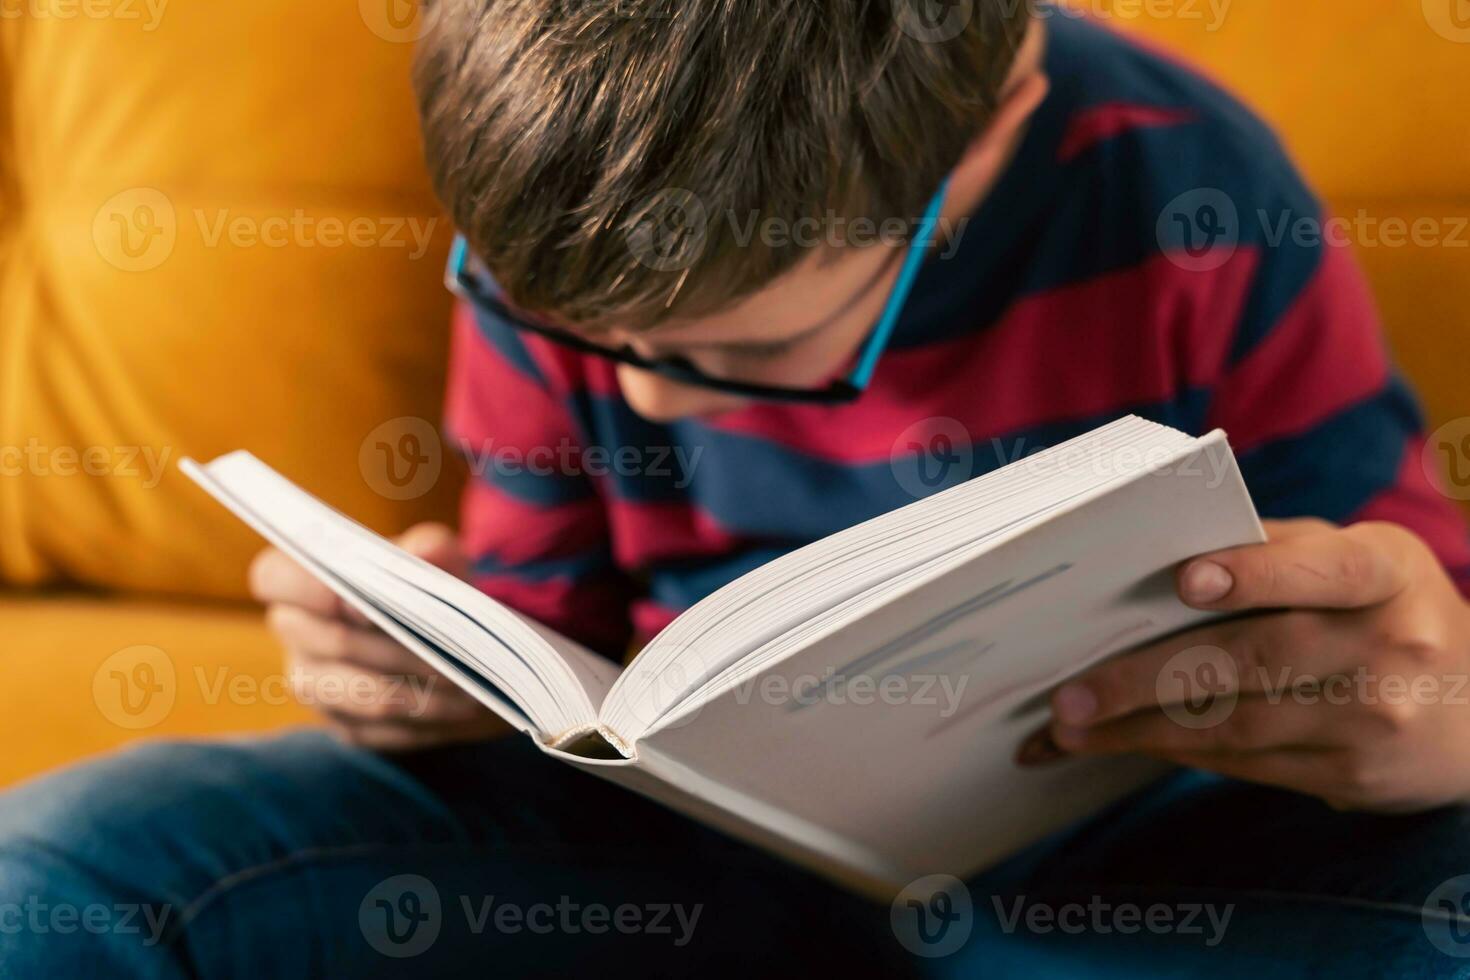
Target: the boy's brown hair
(604, 157)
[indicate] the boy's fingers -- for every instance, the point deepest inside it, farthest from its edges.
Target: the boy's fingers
(1296, 527)
(1299, 769)
(1251, 724)
(391, 736)
(345, 691)
(1334, 569)
(275, 577)
(323, 638)
(1253, 655)
(436, 544)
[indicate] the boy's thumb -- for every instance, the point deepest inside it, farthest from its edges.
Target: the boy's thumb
(438, 545)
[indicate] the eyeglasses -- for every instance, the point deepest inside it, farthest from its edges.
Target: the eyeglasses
(475, 286)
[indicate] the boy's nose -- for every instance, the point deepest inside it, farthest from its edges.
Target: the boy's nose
(661, 399)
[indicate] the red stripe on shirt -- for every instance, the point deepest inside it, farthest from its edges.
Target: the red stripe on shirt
(591, 611)
(516, 531)
(648, 531)
(1417, 503)
(497, 414)
(1103, 122)
(1283, 387)
(1051, 357)
(650, 618)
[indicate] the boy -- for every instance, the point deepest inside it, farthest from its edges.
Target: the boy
(688, 229)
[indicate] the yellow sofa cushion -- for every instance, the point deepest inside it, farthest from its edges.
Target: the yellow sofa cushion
(214, 233)
(83, 675)
(1370, 98)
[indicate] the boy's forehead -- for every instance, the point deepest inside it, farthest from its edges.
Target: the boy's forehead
(798, 299)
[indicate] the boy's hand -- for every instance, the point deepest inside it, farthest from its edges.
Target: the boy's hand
(1350, 683)
(371, 690)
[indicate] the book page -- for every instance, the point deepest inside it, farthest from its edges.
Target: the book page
(552, 680)
(894, 731)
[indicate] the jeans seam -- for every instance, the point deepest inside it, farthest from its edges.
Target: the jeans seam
(229, 882)
(18, 846)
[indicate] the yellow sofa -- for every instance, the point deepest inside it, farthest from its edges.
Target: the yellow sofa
(215, 233)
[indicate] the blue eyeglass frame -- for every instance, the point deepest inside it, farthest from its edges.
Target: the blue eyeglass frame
(845, 389)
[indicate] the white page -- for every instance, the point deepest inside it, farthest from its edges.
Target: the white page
(552, 678)
(876, 793)
(460, 675)
(726, 628)
(922, 788)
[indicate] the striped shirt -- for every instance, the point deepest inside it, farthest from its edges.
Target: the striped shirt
(1137, 256)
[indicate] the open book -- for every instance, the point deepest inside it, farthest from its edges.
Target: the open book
(856, 704)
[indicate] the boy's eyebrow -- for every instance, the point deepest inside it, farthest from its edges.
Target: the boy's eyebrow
(802, 334)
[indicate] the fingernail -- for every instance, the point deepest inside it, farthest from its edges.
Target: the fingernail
(1038, 750)
(1206, 581)
(1074, 704)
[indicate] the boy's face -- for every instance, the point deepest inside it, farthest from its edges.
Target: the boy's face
(801, 331)
(804, 329)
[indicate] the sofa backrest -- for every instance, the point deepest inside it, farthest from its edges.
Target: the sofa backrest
(215, 233)
(1370, 97)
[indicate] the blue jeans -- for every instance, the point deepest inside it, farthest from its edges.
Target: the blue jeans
(296, 856)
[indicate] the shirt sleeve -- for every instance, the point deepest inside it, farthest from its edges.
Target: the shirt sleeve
(532, 523)
(1321, 422)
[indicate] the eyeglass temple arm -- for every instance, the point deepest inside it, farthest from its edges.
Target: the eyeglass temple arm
(863, 373)
(458, 253)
